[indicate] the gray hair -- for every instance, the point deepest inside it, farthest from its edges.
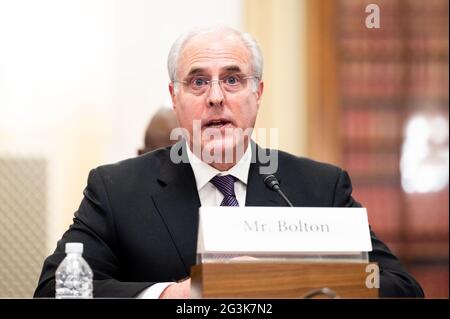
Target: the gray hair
(247, 39)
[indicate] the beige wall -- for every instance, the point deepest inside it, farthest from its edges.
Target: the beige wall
(79, 81)
(280, 29)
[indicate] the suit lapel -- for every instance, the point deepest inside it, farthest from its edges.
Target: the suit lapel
(258, 194)
(178, 204)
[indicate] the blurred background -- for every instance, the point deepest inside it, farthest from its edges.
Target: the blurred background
(80, 80)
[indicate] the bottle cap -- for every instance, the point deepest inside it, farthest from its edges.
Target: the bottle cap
(74, 248)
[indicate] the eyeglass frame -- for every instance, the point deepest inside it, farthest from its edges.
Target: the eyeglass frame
(210, 82)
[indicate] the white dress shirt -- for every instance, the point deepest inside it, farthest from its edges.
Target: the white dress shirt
(209, 196)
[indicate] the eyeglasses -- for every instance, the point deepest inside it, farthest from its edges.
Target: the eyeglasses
(199, 84)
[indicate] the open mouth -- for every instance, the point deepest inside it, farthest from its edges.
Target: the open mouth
(219, 123)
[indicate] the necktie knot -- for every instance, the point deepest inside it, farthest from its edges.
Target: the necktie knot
(225, 184)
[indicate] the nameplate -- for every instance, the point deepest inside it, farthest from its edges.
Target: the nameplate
(283, 230)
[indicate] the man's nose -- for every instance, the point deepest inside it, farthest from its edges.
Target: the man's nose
(215, 94)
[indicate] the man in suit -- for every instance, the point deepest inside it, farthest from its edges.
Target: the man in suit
(139, 218)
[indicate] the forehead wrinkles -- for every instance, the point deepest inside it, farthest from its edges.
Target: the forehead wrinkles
(216, 54)
(206, 57)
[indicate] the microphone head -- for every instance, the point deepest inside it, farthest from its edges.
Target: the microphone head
(271, 182)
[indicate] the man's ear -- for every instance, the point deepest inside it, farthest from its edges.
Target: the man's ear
(173, 95)
(259, 92)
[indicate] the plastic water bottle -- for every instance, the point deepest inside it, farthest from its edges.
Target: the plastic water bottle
(74, 276)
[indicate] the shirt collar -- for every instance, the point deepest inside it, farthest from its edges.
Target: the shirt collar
(204, 173)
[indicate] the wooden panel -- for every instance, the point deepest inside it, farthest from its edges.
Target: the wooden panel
(364, 86)
(279, 280)
(323, 98)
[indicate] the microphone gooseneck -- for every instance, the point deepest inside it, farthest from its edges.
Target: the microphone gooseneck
(273, 184)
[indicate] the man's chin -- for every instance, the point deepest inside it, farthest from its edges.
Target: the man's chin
(219, 145)
(220, 150)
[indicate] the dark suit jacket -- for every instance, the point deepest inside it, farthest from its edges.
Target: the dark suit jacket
(139, 218)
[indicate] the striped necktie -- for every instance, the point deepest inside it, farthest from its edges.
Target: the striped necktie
(225, 184)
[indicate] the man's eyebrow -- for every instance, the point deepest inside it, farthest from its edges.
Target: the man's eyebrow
(232, 68)
(196, 71)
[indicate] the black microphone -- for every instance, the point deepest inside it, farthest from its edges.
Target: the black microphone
(272, 183)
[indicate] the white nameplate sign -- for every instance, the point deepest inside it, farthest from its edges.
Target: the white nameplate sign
(283, 230)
